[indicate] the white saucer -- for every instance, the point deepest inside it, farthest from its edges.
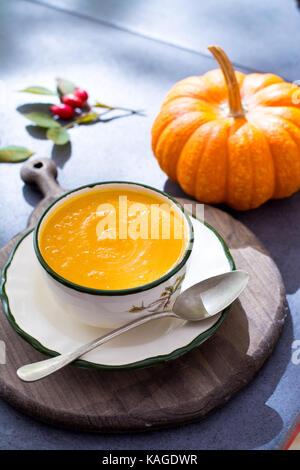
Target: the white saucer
(34, 313)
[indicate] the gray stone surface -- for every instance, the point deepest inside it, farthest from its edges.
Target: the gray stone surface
(131, 64)
(259, 35)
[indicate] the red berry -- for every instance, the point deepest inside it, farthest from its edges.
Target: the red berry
(64, 111)
(82, 94)
(72, 100)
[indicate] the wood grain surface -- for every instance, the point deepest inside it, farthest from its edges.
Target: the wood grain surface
(178, 391)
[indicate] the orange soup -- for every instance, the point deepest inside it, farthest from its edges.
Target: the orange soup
(113, 238)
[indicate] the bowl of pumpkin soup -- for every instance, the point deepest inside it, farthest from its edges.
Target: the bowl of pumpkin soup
(112, 252)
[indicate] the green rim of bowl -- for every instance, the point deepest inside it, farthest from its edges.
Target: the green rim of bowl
(133, 290)
(151, 361)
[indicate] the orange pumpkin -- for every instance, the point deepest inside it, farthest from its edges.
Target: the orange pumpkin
(232, 138)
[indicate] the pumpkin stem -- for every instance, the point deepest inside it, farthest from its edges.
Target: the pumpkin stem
(234, 97)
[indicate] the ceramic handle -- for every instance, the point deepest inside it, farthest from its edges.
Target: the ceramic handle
(42, 173)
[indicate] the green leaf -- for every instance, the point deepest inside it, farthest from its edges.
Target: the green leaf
(101, 105)
(14, 153)
(136, 309)
(65, 86)
(112, 108)
(89, 117)
(39, 90)
(169, 289)
(59, 135)
(42, 119)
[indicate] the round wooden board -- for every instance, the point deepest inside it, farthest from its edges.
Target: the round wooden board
(178, 391)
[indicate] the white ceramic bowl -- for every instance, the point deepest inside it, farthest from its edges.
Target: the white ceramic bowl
(113, 308)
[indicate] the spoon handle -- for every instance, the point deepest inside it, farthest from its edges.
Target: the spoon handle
(41, 369)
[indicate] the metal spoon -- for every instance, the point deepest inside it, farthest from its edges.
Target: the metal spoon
(203, 300)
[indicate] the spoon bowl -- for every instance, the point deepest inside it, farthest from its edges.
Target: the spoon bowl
(201, 301)
(211, 296)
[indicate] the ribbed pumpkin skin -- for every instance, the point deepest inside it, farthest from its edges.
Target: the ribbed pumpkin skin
(216, 158)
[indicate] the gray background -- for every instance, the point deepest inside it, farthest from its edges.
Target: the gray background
(129, 53)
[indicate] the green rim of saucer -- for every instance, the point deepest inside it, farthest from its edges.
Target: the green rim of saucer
(134, 365)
